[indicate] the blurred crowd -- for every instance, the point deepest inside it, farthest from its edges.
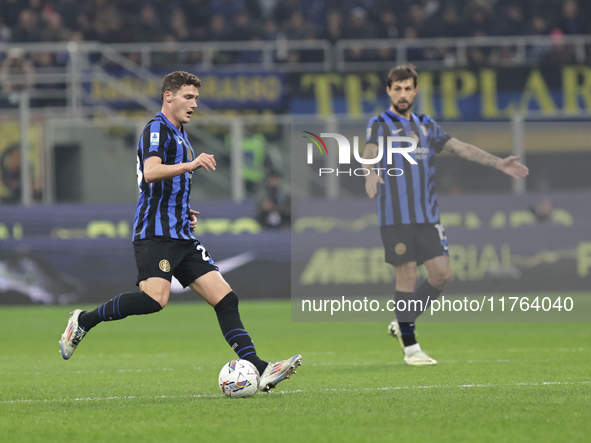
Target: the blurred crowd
(122, 21)
(172, 21)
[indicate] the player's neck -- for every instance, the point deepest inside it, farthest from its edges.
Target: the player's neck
(405, 115)
(171, 118)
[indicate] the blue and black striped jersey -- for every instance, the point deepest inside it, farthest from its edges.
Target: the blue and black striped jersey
(409, 197)
(163, 207)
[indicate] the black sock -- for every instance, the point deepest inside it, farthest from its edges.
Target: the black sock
(129, 303)
(234, 332)
(426, 293)
(406, 316)
(407, 330)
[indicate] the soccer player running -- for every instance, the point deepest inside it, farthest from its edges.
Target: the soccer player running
(408, 214)
(163, 240)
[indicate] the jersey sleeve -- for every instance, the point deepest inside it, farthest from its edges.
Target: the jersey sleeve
(154, 141)
(371, 133)
(438, 136)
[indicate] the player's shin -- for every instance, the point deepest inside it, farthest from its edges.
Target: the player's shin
(234, 333)
(426, 293)
(129, 303)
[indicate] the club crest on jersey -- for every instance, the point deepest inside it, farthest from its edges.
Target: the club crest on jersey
(190, 154)
(154, 138)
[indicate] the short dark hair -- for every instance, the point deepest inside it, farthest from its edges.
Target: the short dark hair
(176, 80)
(403, 72)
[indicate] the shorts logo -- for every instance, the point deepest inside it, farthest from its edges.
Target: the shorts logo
(164, 266)
(400, 248)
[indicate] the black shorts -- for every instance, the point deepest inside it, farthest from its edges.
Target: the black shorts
(164, 257)
(415, 242)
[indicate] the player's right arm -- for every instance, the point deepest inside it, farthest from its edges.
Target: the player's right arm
(155, 170)
(373, 179)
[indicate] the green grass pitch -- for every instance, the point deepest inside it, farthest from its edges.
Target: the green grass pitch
(154, 379)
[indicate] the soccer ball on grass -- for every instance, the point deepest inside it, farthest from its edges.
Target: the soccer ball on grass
(239, 378)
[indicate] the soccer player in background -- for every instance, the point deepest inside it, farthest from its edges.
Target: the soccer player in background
(408, 214)
(163, 240)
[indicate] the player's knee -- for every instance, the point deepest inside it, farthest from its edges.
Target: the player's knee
(440, 278)
(161, 298)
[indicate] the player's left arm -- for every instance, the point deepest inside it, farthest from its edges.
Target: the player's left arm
(193, 217)
(509, 165)
(155, 170)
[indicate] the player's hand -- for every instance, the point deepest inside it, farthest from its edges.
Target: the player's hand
(205, 161)
(510, 166)
(193, 217)
(371, 184)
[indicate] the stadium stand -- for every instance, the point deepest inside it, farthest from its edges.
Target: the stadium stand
(128, 21)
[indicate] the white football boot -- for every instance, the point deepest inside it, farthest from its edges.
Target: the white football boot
(394, 331)
(72, 335)
(277, 371)
(419, 358)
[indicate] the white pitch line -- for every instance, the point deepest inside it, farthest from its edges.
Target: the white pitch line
(328, 364)
(108, 371)
(99, 371)
(396, 388)
(401, 363)
(125, 397)
(520, 350)
(299, 391)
